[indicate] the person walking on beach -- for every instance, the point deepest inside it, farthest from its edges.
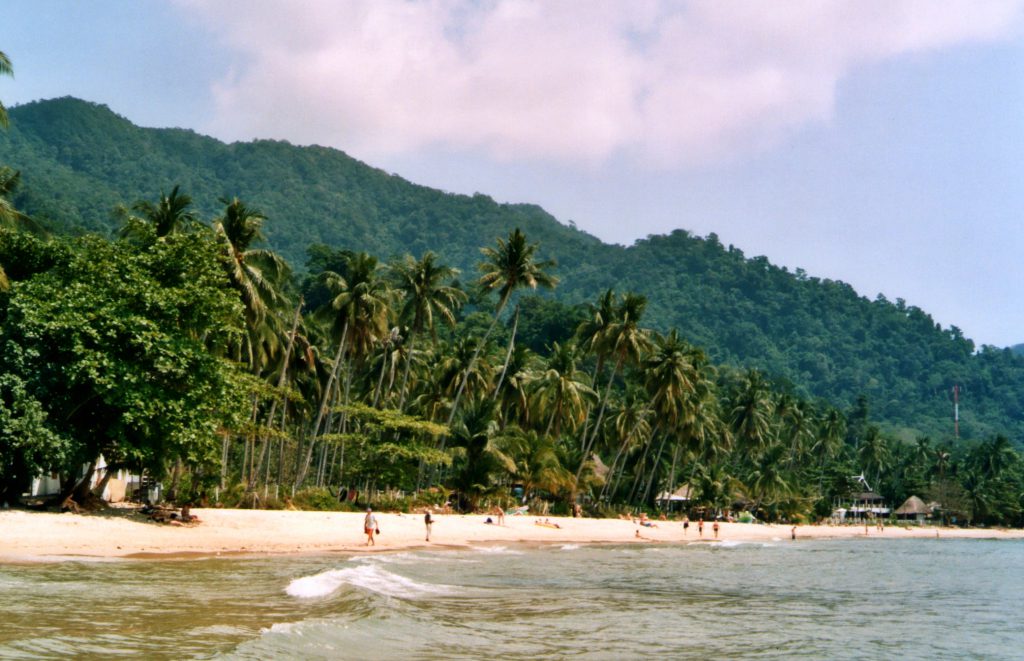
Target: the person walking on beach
(686, 526)
(792, 533)
(428, 521)
(700, 527)
(370, 527)
(714, 527)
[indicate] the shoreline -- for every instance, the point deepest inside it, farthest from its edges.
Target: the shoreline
(124, 534)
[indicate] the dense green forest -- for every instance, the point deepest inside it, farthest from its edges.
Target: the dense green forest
(167, 339)
(819, 337)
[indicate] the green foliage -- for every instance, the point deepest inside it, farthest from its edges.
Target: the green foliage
(317, 498)
(110, 341)
(28, 447)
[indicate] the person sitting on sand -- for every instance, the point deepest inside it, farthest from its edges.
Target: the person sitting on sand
(187, 516)
(647, 523)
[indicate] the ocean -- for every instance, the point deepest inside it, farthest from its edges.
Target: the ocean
(814, 599)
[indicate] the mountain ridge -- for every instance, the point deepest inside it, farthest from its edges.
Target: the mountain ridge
(79, 159)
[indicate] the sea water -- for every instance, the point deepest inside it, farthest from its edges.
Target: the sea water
(842, 599)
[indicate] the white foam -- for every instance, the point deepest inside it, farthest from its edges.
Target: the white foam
(570, 547)
(496, 550)
(367, 577)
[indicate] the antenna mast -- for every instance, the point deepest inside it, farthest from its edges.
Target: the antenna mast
(956, 412)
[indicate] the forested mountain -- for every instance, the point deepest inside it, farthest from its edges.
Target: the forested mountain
(79, 160)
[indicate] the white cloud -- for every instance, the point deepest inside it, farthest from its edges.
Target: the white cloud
(665, 83)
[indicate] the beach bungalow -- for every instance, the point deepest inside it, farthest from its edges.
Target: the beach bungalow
(679, 498)
(913, 509)
(862, 505)
(120, 485)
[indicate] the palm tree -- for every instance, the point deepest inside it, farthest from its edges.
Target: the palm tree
(624, 341)
(357, 313)
(257, 274)
(751, 415)
(508, 267)
(5, 70)
(9, 216)
(671, 374)
(874, 453)
(170, 214)
(511, 266)
(426, 296)
(561, 392)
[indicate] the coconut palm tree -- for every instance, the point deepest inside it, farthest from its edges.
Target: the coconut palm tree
(510, 266)
(5, 70)
(561, 392)
(750, 416)
(170, 214)
(427, 294)
(257, 274)
(624, 342)
(874, 453)
(357, 314)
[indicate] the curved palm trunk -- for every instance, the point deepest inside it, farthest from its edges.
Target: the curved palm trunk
(315, 431)
(654, 469)
(600, 416)
(273, 405)
(508, 354)
(405, 372)
(640, 469)
(618, 455)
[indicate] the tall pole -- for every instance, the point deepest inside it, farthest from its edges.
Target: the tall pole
(956, 412)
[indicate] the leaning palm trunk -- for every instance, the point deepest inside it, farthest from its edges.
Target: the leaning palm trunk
(508, 354)
(273, 405)
(315, 431)
(600, 416)
(654, 469)
(618, 455)
(405, 372)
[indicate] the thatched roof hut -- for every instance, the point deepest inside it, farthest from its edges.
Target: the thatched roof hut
(913, 508)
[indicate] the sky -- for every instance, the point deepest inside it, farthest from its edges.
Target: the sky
(880, 143)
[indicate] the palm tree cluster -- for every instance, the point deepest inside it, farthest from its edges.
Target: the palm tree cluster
(369, 376)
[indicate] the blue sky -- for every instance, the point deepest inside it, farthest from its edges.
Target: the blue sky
(878, 143)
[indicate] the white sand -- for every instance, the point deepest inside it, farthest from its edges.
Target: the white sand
(41, 536)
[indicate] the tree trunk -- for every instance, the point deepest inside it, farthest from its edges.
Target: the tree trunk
(508, 354)
(405, 372)
(600, 416)
(304, 469)
(273, 405)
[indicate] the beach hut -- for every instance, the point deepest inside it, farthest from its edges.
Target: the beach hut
(913, 509)
(680, 497)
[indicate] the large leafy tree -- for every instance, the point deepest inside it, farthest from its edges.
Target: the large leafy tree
(108, 340)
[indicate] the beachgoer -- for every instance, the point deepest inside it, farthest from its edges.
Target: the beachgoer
(428, 521)
(500, 514)
(715, 528)
(686, 526)
(644, 521)
(792, 532)
(370, 527)
(700, 527)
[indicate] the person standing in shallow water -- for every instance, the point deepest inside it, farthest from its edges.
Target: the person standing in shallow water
(370, 527)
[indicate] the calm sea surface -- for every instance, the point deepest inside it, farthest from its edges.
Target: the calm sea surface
(864, 599)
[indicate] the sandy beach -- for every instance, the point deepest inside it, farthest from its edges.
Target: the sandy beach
(32, 536)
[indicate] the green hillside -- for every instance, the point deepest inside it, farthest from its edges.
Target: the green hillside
(79, 160)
